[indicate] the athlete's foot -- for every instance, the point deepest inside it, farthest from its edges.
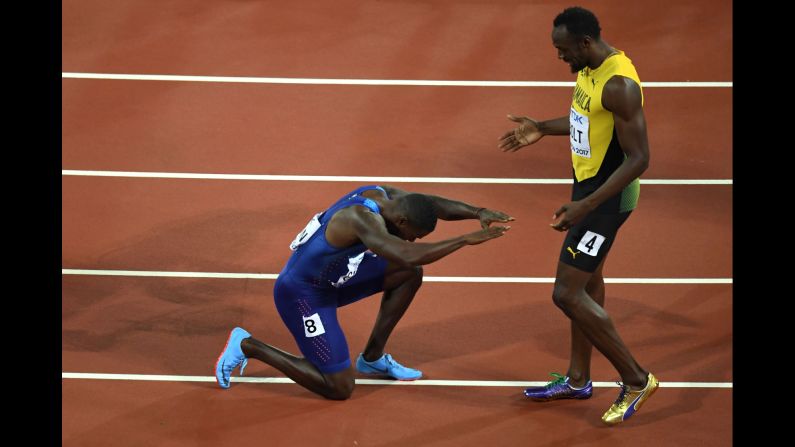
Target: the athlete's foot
(629, 401)
(231, 356)
(559, 389)
(388, 367)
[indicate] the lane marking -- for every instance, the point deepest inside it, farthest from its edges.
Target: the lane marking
(169, 274)
(284, 380)
(336, 178)
(327, 81)
(452, 279)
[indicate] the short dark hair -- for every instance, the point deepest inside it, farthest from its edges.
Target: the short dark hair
(579, 22)
(420, 211)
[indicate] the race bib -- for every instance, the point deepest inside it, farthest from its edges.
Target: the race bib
(313, 326)
(578, 134)
(590, 243)
(306, 233)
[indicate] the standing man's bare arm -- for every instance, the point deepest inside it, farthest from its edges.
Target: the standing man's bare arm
(530, 131)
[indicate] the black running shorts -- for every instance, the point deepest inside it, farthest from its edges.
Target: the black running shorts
(588, 242)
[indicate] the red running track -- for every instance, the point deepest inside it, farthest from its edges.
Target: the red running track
(500, 332)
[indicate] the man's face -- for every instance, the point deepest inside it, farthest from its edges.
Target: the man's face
(410, 232)
(405, 230)
(571, 50)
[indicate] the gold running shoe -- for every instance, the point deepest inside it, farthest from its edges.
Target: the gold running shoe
(629, 402)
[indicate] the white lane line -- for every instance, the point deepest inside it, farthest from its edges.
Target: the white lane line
(283, 380)
(460, 279)
(169, 274)
(338, 178)
(326, 81)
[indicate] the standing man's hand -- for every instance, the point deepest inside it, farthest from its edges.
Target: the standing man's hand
(527, 133)
(487, 217)
(569, 214)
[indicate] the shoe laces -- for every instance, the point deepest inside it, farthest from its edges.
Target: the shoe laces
(560, 379)
(623, 394)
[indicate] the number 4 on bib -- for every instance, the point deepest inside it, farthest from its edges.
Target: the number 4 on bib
(590, 243)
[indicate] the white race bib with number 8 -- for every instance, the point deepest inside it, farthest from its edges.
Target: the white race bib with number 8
(313, 326)
(306, 233)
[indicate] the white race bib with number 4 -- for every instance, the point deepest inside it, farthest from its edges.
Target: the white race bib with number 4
(590, 243)
(578, 134)
(306, 233)
(313, 326)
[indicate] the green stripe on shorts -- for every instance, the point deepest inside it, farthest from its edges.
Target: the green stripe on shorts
(629, 196)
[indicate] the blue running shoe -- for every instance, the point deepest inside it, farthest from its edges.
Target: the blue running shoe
(230, 357)
(558, 389)
(387, 366)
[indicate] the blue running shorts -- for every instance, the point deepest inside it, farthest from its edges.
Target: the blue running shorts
(310, 313)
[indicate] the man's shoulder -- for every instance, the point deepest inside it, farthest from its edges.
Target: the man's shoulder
(620, 88)
(620, 83)
(358, 214)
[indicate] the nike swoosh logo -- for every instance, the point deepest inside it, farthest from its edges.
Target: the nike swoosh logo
(377, 370)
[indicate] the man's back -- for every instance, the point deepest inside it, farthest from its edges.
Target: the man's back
(315, 261)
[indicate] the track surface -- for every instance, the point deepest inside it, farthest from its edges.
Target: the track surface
(454, 331)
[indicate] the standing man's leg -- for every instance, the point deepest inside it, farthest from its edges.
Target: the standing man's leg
(580, 293)
(593, 321)
(579, 372)
(576, 384)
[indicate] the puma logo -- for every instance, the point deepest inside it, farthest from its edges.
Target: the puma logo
(573, 255)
